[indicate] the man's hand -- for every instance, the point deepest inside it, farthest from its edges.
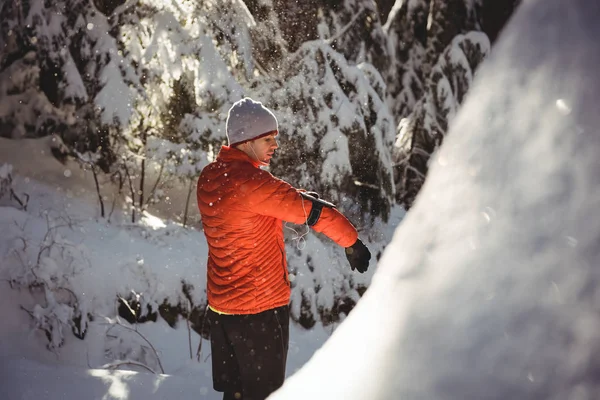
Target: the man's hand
(358, 256)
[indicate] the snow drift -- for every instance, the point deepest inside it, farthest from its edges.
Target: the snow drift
(490, 286)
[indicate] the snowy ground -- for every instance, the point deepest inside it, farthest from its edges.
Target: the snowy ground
(29, 371)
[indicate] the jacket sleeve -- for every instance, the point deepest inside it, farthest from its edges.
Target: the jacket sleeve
(270, 196)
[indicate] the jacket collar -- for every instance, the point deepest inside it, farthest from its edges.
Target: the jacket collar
(228, 154)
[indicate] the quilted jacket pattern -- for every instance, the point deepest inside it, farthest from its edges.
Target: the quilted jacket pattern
(243, 208)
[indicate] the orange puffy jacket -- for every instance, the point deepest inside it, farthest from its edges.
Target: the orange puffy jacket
(243, 208)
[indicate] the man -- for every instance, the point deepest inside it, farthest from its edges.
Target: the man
(243, 208)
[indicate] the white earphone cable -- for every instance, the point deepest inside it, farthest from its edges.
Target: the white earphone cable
(299, 238)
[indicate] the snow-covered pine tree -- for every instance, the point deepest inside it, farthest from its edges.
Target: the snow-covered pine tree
(269, 47)
(35, 87)
(419, 30)
(188, 57)
(406, 30)
(296, 20)
(423, 130)
(61, 71)
(26, 111)
(337, 131)
(185, 146)
(104, 76)
(353, 28)
(229, 23)
(446, 20)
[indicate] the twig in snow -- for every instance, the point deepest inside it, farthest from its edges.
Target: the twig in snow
(27, 311)
(190, 329)
(22, 203)
(132, 192)
(92, 166)
(154, 187)
(117, 364)
(9, 281)
(147, 341)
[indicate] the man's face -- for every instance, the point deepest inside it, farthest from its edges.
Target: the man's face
(262, 149)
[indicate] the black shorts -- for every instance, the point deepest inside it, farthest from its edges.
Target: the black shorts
(249, 352)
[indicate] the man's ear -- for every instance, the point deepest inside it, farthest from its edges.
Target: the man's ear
(250, 146)
(246, 148)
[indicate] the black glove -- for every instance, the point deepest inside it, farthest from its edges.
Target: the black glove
(358, 256)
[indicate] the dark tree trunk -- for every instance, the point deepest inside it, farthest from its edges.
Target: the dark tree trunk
(495, 14)
(107, 7)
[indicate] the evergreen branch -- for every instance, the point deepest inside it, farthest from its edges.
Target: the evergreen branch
(416, 172)
(345, 28)
(420, 152)
(403, 161)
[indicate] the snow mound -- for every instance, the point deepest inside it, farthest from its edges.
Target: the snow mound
(490, 286)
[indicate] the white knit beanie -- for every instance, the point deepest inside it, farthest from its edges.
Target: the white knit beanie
(247, 120)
